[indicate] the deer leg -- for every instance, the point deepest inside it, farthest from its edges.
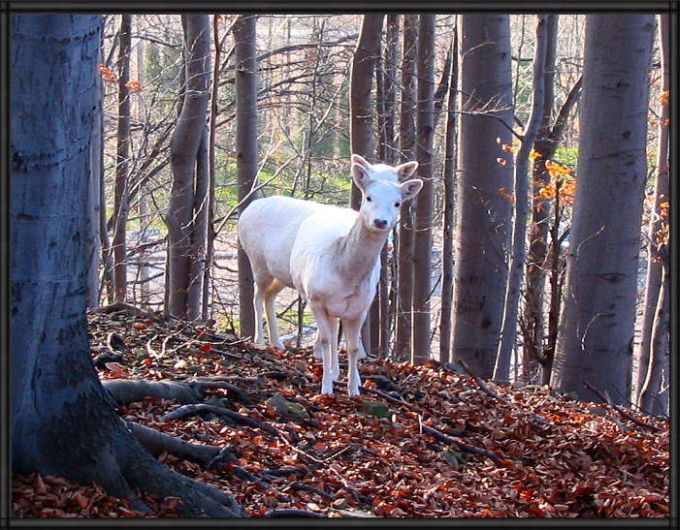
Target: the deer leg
(274, 288)
(335, 361)
(324, 340)
(352, 328)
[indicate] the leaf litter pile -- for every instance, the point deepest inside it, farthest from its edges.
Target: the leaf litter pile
(419, 441)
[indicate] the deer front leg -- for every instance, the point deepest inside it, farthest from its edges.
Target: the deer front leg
(324, 341)
(352, 329)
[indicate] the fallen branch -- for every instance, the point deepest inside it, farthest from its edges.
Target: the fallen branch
(291, 513)
(299, 486)
(122, 306)
(620, 410)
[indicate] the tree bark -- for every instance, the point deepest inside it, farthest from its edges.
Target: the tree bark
(518, 248)
(122, 160)
(184, 148)
(597, 328)
(407, 142)
(449, 208)
(56, 394)
(656, 223)
(246, 152)
(483, 213)
(534, 327)
(362, 135)
(652, 398)
(422, 243)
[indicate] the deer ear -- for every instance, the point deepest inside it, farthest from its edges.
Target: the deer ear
(358, 159)
(404, 171)
(361, 176)
(410, 188)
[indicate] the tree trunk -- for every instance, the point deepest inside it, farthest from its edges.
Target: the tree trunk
(362, 135)
(483, 212)
(212, 168)
(422, 243)
(449, 205)
(595, 338)
(122, 160)
(56, 394)
(407, 142)
(652, 398)
(518, 248)
(657, 221)
(246, 152)
(540, 213)
(184, 148)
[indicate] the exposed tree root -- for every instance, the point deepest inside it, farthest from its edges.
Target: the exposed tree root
(191, 410)
(125, 391)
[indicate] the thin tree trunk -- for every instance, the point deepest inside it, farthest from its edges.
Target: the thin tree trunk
(540, 213)
(657, 222)
(143, 256)
(518, 249)
(422, 244)
(184, 150)
(650, 392)
(483, 214)
(407, 142)
(246, 151)
(595, 338)
(122, 160)
(212, 168)
(449, 205)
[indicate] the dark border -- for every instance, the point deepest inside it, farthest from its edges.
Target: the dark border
(316, 7)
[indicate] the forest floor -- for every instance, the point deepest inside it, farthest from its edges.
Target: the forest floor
(419, 442)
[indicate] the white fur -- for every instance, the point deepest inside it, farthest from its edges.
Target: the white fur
(331, 255)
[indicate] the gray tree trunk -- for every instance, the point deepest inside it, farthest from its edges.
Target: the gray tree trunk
(595, 338)
(519, 227)
(449, 178)
(422, 243)
(56, 394)
(246, 152)
(122, 160)
(656, 224)
(184, 148)
(407, 142)
(483, 216)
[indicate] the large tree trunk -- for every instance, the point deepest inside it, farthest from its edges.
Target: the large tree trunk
(122, 160)
(449, 205)
(657, 220)
(184, 148)
(533, 324)
(519, 226)
(422, 244)
(483, 212)
(246, 152)
(595, 338)
(63, 422)
(407, 142)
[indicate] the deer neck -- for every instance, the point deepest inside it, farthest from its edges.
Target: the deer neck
(358, 251)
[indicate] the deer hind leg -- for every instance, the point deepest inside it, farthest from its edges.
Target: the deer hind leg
(261, 284)
(272, 290)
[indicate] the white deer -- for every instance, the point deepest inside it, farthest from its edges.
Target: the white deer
(331, 255)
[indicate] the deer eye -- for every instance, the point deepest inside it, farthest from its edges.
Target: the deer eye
(397, 204)
(368, 199)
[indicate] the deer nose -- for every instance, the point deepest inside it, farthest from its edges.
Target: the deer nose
(380, 223)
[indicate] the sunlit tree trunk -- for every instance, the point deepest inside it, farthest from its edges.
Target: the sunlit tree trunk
(595, 338)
